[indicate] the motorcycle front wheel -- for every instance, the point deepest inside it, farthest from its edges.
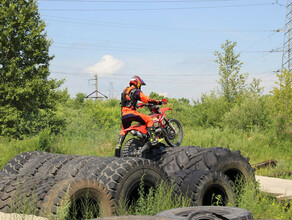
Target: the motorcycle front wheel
(174, 132)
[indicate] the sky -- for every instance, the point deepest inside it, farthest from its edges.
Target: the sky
(170, 44)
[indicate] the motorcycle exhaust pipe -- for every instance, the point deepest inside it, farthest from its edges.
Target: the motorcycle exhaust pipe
(138, 134)
(158, 130)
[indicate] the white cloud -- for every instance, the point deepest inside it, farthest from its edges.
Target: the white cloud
(165, 94)
(108, 65)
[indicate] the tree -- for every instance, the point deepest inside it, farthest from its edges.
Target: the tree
(282, 99)
(79, 100)
(255, 87)
(27, 95)
(232, 83)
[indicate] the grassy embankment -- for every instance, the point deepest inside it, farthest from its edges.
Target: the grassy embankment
(92, 128)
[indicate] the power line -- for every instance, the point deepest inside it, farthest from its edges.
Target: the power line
(277, 3)
(263, 39)
(135, 1)
(157, 9)
(76, 74)
(275, 50)
(124, 49)
(150, 27)
(146, 49)
(155, 75)
(127, 75)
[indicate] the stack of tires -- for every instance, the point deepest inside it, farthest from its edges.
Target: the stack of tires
(48, 181)
(210, 176)
(40, 183)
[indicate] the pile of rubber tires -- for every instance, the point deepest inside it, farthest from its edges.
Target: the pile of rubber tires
(46, 181)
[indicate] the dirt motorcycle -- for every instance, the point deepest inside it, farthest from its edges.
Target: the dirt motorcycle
(169, 130)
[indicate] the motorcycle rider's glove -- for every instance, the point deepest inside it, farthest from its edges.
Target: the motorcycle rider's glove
(156, 102)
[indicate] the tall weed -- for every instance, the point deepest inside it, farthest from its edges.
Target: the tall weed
(262, 205)
(158, 199)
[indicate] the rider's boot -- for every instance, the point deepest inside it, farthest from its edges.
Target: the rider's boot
(119, 146)
(151, 131)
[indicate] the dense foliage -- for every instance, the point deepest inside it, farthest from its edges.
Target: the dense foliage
(27, 95)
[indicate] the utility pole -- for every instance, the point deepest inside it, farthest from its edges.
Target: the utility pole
(287, 53)
(96, 90)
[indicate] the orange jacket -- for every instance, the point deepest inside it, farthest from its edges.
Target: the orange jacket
(137, 96)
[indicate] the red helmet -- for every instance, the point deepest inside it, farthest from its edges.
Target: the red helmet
(137, 81)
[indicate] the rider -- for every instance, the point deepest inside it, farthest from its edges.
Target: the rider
(129, 98)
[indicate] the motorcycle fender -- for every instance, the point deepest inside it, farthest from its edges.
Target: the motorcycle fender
(164, 109)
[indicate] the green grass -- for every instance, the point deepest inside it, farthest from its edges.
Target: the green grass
(262, 205)
(254, 145)
(257, 146)
(158, 199)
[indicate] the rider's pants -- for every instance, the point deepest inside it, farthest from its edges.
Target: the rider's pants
(132, 115)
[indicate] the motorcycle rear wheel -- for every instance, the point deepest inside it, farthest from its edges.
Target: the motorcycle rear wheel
(174, 132)
(132, 148)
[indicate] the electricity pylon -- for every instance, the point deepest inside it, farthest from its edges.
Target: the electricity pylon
(287, 53)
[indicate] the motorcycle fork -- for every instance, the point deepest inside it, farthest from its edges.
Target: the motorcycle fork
(170, 125)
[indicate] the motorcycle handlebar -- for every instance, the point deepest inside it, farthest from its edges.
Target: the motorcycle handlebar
(162, 102)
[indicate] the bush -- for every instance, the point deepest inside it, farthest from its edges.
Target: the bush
(209, 111)
(253, 112)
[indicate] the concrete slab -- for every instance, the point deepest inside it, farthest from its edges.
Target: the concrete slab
(14, 216)
(281, 188)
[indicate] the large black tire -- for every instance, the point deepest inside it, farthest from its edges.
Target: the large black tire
(133, 217)
(79, 192)
(180, 158)
(31, 195)
(94, 168)
(16, 163)
(156, 152)
(65, 166)
(207, 212)
(74, 167)
(49, 168)
(231, 163)
(204, 187)
(123, 176)
(37, 164)
(172, 137)
(23, 194)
